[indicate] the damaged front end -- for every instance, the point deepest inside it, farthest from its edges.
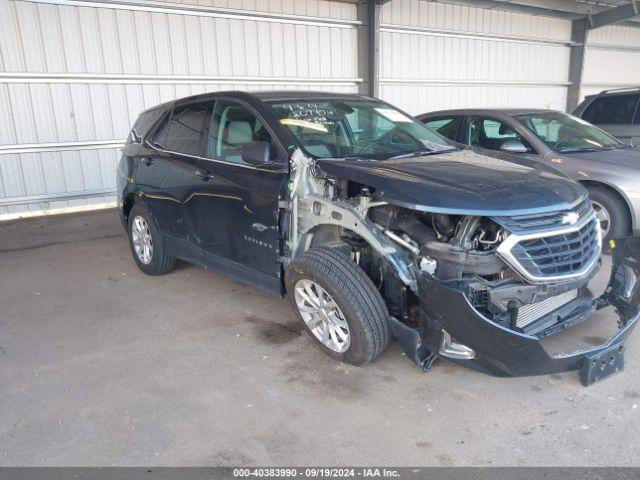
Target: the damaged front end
(482, 291)
(451, 327)
(493, 290)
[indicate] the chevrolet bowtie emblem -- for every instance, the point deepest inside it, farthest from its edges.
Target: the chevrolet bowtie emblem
(571, 218)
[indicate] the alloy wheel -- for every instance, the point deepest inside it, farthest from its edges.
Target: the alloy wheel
(322, 315)
(603, 217)
(141, 238)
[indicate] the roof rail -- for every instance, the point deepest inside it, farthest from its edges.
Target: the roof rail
(622, 89)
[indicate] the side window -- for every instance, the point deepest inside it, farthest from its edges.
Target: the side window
(447, 127)
(611, 110)
(185, 130)
(492, 133)
(232, 127)
(142, 125)
(496, 130)
(160, 137)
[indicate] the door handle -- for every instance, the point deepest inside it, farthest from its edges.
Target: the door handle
(203, 174)
(147, 160)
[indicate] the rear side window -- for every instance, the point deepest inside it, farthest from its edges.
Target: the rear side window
(611, 110)
(142, 125)
(448, 127)
(183, 131)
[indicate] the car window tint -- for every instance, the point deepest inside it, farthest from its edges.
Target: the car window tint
(492, 134)
(142, 125)
(232, 127)
(565, 133)
(445, 126)
(185, 130)
(547, 130)
(160, 137)
(611, 110)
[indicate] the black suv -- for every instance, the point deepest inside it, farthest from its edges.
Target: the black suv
(374, 226)
(614, 111)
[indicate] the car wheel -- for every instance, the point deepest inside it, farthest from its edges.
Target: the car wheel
(611, 213)
(146, 243)
(338, 305)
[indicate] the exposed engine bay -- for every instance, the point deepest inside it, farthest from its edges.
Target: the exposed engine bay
(393, 244)
(463, 250)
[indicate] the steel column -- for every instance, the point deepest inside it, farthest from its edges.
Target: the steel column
(579, 36)
(369, 45)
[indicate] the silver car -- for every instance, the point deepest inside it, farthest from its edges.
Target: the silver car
(606, 167)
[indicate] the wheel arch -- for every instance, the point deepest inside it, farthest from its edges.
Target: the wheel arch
(133, 198)
(618, 193)
(128, 201)
(390, 268)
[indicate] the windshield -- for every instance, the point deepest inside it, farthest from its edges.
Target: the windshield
(356, 128)
(566, 134)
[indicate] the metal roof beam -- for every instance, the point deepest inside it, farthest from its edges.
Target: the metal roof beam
(614, 16)
(565, 9)
(514, 7)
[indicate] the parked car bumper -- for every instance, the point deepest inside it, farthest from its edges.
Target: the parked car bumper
(447, 314)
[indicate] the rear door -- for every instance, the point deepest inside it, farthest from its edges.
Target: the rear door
(617, 114)
(235, 205)
(167, 177)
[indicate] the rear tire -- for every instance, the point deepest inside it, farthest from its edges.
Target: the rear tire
(612, 213)
(331, 282)
(145, 240)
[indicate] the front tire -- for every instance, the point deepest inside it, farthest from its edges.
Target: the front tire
(338, 305)
(611, 212)
(147, 246)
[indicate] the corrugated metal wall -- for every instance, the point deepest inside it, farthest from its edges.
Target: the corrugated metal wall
(75, 74)
(436, 56)
(612, 59)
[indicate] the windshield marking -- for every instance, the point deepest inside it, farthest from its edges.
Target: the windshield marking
(356, 129)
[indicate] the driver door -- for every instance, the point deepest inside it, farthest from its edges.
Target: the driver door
(235, 206)
(491, 133)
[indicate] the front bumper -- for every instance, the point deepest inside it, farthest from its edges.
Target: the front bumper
(503, 352)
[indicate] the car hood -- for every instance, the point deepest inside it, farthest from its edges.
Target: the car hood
(627, 157)
(462, 182)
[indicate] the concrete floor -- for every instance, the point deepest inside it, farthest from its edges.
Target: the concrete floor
(102, 365)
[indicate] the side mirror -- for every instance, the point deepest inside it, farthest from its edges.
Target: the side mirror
(256, 153)
(513, 146)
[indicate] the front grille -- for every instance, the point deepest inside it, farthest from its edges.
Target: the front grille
(528, 314)
(522, 224)
(559, 255)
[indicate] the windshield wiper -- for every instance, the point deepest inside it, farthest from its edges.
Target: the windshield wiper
(581, 150)
(419, 153)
